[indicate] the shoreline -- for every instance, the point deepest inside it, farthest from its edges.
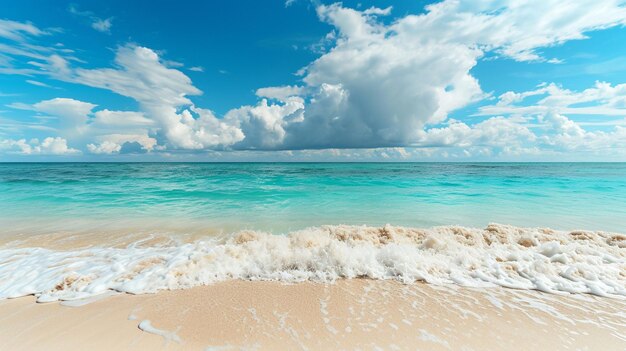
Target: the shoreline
(349, 314)
(498, 255)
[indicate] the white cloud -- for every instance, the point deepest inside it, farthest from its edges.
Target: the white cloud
(568, 136)
(20, 50)
(70, 116)
(380, 85)
(139, 75)
(97, 23)
(263, 125)
(37, 83)
(22, 45)
(70, 112)
(160, 91)
(378, 11)
(125, 119)
(197, 69)
(281, 93)
(204, 131)
(103, 131)
(162, 95)
(602, 99)
(557, 132)
(18, 31)
(21, 146)
(513, 28)
(49, 146)
(102, 25)
(54, 146)
(114, 143)
(105, 147)
(497, 134)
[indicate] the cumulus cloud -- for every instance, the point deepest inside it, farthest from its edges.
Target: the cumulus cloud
(162, 93)
(381, 85)
(114, 143)
(263, 126)
(494, 136)
(281, 93)
(554, 130)
(54, 146)
(76, 120)
(568, 136)
(601, 99)
(379, 88)
(105, 147)
(71, 113)
(48, 146)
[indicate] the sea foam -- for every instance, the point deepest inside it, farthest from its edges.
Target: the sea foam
(499, 255)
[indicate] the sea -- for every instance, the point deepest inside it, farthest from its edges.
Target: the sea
(281, 197)
(553, 227)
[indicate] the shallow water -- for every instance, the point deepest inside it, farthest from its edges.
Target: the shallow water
(281, 197)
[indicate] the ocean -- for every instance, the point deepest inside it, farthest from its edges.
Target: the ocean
(281, 197)
(545, 226)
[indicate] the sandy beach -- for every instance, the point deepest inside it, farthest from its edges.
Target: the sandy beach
(328, 288)
(350, 314)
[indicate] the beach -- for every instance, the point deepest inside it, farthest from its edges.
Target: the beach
(348, 315)
(332, 287)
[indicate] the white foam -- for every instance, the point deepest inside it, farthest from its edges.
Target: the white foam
(89, 300)
(521, 258)
(147, 326)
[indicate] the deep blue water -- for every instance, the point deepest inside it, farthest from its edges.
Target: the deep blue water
(285, 196)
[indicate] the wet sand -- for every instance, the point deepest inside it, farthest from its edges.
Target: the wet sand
(350, 314)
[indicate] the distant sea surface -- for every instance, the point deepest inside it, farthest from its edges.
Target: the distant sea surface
(281, 197)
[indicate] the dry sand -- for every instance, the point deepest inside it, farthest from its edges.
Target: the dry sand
(350, 314)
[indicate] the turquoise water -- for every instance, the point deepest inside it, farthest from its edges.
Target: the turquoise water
(286, 196)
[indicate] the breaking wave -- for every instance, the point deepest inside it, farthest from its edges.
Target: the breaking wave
(499, 255)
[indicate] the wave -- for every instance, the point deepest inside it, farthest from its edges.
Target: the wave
(499, 255)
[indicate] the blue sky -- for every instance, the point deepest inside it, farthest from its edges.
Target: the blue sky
(313, 80)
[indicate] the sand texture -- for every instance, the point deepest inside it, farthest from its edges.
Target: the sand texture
(350, 314)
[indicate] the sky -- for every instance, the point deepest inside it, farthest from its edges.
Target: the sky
(308, 80)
